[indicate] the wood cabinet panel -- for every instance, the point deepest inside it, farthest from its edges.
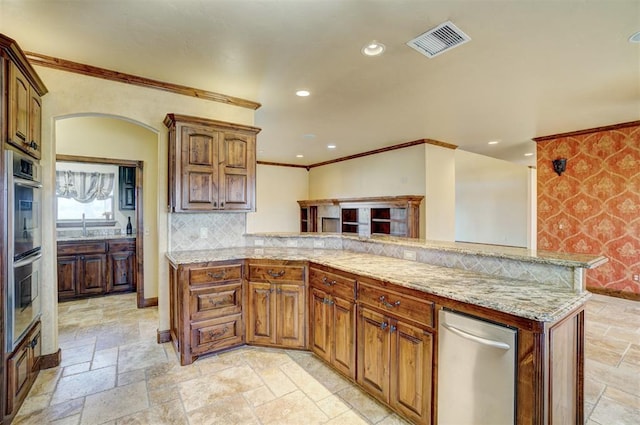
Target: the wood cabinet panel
(399, 304)
(214, 274)
(207, 302)
(216, 334)
(261, 324)
(23, 366)
(290, 319)
(320, 324)
(122, 272)
(374, 353)
(67, 277)
(343, 354)
(25, 114)
(211, 164)
(93, 273)
(276, 273)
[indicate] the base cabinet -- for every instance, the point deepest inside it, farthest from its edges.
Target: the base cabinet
(206, 308)
(276, 304)
(87, 268)
(22, 369)
(332, 319)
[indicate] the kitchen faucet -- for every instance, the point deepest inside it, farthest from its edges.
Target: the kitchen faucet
(84, 226)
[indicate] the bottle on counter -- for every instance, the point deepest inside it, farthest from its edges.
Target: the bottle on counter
(129, 227)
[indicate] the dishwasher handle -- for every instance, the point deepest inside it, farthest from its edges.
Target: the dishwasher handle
(478, 339)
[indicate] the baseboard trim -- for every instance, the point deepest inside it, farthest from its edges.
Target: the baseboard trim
(164, 336)
(48, 361)
(150, 302)
(615, 293)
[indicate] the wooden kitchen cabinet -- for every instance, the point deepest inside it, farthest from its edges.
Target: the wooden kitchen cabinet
(23, 366)
(206, 309)
(87, 268)
(212, 165)
(276, 304)
(395, 349)
(332, 318)
(25, 113)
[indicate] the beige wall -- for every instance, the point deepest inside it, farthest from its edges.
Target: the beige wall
(277, 192)
(107, 137)
(440, 189)
(492, 200)
(73, 94)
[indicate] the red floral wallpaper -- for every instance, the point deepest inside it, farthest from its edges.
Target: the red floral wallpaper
(594, 207)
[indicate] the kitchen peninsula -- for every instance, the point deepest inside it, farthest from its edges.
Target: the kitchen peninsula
(370, 308)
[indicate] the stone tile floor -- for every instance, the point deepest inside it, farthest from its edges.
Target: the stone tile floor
(114, 372)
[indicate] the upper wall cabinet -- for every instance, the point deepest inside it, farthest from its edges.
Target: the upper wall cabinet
(212, 165)
(23, 104)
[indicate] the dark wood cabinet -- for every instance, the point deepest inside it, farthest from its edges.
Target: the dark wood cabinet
(127, 188)
(87, 268)
(332, 318)
(206, 308)
(22, 368)
(211, 165)
(276, 313)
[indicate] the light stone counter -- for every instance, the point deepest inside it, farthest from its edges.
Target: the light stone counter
(531, 300)
(93, 238)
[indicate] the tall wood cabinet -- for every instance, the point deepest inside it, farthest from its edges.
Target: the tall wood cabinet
(21, 90)
(212, 165)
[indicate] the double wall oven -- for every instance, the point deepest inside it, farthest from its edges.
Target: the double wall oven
(24, 245)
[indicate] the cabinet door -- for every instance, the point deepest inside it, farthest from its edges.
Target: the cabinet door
(19, 108)
(34, 139)
(122, 272)
(127, 188)
(374, 353)
(19, 372)
(199, 164)
(237, 174)
(319, 324)
(290, 323)
(411, 357)
(92, 274)
(261, 323)
(67, 277)
(343, 336)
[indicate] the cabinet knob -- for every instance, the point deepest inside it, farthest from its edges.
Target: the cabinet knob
(221, 204)
(393, 329)
(384, 325)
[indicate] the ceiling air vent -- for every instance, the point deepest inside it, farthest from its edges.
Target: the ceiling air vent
(439, 39)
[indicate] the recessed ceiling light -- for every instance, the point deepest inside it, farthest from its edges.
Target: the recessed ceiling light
(635, 38)
(331, 146)
(494, 142)
(528, 154)
(373, 48)
(299, 156)
(303, 93)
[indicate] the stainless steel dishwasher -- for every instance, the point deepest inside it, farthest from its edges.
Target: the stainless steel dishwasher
(476, 371)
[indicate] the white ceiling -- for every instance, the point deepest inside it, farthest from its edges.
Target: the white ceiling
(532, 68)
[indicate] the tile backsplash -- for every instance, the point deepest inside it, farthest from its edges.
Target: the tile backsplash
(195, 231)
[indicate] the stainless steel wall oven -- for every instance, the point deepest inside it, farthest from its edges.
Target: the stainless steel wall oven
(24, 245)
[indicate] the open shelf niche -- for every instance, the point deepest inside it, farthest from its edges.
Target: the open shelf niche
(385, 215)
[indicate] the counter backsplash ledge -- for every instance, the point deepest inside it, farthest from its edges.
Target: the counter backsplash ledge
(195, 231)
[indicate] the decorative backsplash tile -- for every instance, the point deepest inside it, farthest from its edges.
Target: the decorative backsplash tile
(206, 231)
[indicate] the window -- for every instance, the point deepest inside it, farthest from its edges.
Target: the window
(87, 194)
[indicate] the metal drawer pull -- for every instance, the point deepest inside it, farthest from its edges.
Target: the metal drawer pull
(328, 282)
(214, 335)
(393, 329)
(478, 339)
(387, 304)
(384, 325)
(218, 275)
(328, 301)
(275, 274)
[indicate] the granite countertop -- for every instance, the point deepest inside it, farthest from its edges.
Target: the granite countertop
(93, 238)
(587, 261)
(530, 300)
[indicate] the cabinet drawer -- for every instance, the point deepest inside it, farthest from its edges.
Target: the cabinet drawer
(333, 284)
(205, 275)
(276, 272)
(401, 305)
(73, 248)
(217, 334)
(215, 301)
(122, 245)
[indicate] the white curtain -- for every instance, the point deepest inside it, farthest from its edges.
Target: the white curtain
(84, 187)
